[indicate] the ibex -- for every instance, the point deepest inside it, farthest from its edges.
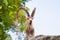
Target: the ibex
(29, 27)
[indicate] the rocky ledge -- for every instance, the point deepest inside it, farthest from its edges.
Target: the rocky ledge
(47, 37)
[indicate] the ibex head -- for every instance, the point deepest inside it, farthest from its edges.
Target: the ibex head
(29, 18)
(29, 26)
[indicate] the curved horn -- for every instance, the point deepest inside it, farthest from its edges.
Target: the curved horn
(22, 9)
(33, 12)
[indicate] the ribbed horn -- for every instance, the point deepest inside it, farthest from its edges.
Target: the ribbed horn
(33, 12)
(22, 9)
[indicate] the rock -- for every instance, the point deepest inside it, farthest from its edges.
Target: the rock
(46, 37)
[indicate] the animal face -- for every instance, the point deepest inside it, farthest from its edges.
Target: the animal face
(30, 17)
(29, 20)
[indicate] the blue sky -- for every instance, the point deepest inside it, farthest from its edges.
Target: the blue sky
(47, 17)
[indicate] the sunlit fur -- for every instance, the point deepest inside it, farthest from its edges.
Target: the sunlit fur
(29, 27)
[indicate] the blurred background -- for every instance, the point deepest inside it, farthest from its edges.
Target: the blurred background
(46, 19)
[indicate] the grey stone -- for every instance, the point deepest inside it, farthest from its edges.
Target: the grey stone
(46, 37)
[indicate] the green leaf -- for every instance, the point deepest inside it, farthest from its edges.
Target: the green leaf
(1, 32)
(8, 10)
(0, 7)
(6, 2)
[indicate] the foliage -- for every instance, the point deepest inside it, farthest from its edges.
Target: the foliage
(8, 10)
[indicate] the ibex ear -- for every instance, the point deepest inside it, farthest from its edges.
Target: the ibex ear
(33, 12)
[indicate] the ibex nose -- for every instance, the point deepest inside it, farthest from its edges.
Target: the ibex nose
(30, 22)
